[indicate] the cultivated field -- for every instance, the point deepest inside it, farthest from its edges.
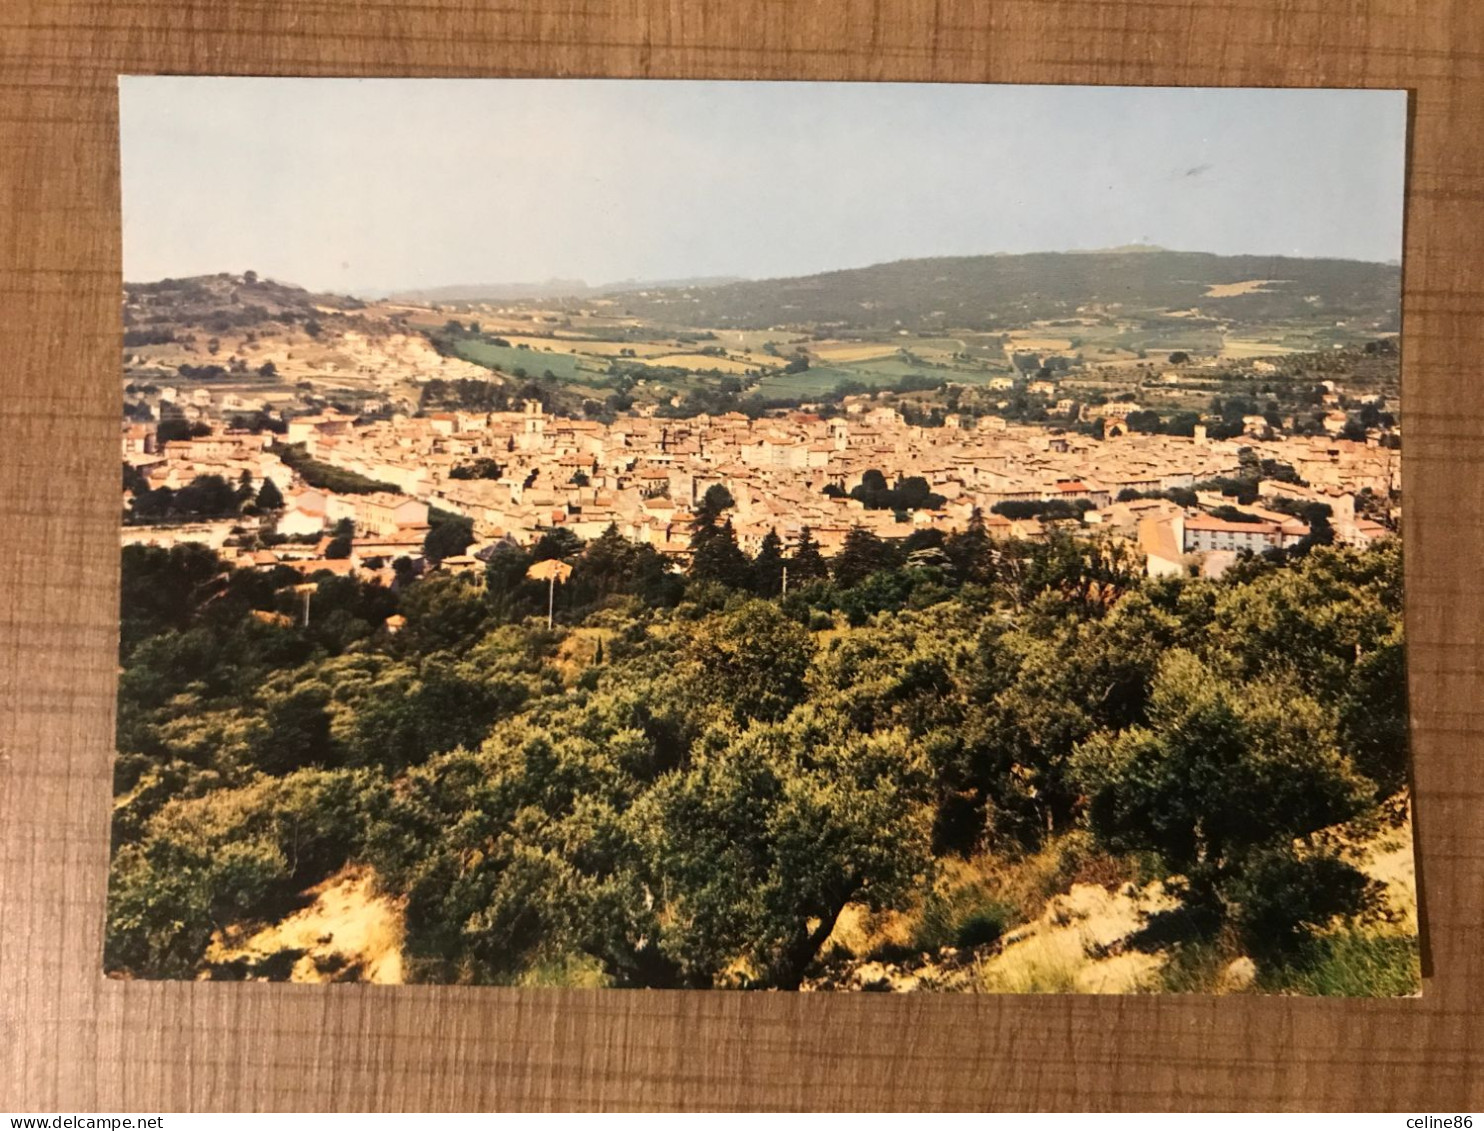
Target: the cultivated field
(701, 362)
(1247, 287)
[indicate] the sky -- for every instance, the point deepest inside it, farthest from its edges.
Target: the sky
(373, 185)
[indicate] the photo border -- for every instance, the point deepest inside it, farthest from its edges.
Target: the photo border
(72, 1040)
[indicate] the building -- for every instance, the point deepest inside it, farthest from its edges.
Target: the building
(1204, 532)
(385, 513)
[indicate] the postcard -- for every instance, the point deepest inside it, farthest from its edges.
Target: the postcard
(753, 535)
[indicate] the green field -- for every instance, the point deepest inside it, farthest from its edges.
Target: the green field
(813, 382)
(822, 379)
(507, 359)
(892, 369)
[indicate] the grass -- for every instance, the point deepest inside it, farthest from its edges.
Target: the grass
(701, 362)
(590, 346)
(962, 916)
(813, 382)
(507, 359)
(1194, 968)
(1046, 978)
(839, 352)
(977, 901)
(573, 972)
(1349, 963)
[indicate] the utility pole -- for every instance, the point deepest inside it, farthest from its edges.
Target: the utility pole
(305, 590)
(551, 571)
(785, 580)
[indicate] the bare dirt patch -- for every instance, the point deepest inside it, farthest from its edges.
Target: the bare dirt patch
(349, 933)
(1245, 287)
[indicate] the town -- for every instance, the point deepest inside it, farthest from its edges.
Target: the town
(517, 475)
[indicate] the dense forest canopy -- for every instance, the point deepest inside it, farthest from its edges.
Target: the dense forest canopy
(687, 780)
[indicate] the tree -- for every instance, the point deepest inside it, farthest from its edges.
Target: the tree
(200, 863)
(1221, 783)
(714, 503)
(767, 567)
(558, 543)
(162, 590)
(269, 498)
(774, 830)
(338, 547)
(206, 496)
(134, 480)
(296, 729)
(481, 468)
(862, 555)
(445, 612)
(970, 550)
(448, 539)
(753, 661)
(179, 428)
(807, 564)
(717, 557)
(910, 493)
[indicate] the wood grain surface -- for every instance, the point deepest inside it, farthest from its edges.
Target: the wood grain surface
(72, 1041)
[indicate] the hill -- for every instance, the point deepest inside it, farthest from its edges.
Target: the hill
(224, 302)
(991, 292)
(247, 335)
(550, 289)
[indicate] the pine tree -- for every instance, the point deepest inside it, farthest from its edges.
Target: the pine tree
(714, 503)
(767, 567)
(806, 564)
(970, 551)
(719, 558)
(606, 563)
(270, 498)
(714, 551)
(862, 555)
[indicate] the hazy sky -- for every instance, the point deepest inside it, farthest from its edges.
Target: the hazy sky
(359, 184)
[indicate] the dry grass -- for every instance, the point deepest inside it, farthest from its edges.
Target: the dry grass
(1246, 287)
(349, 932)
(853, 351)
(1247, 347)
(1020, 340)
(1389, 858)
(702, 361)
(1060, 915)
(1067, 949)
(578, 651)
